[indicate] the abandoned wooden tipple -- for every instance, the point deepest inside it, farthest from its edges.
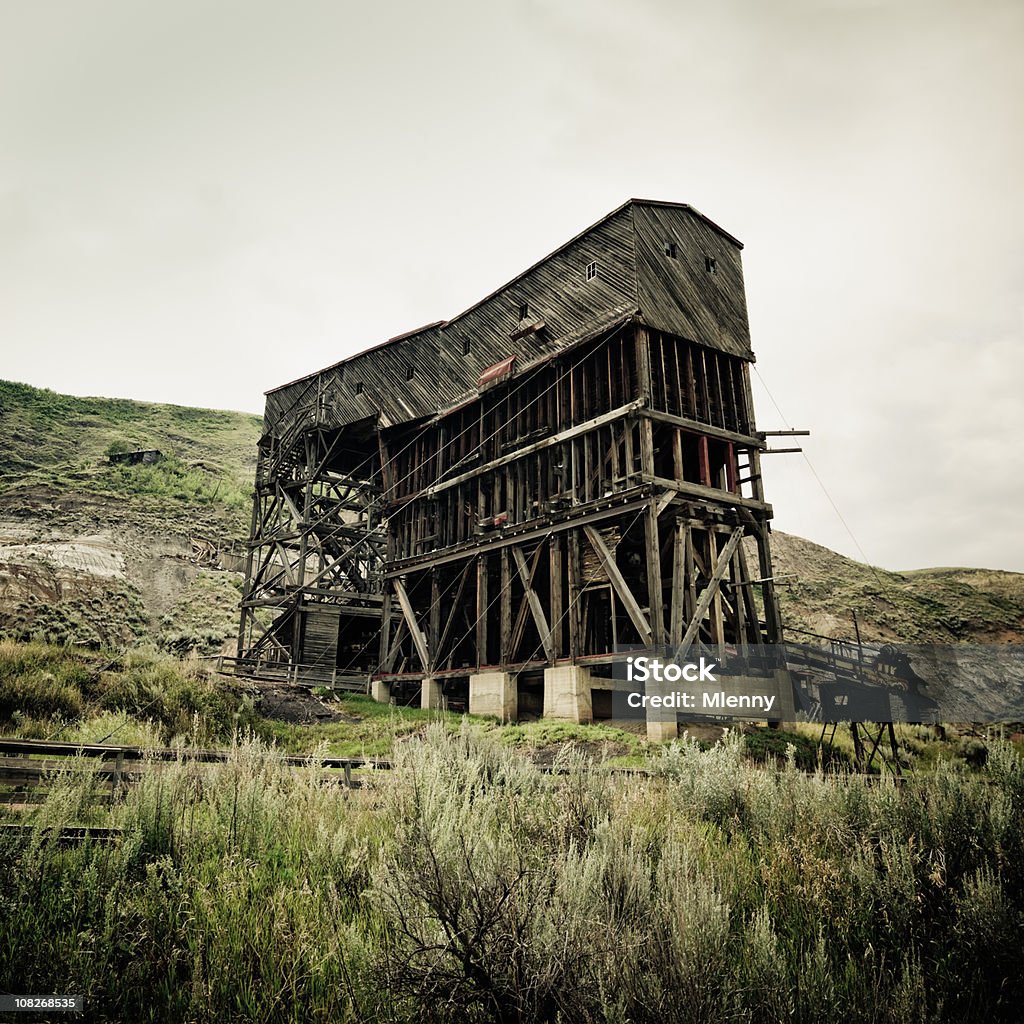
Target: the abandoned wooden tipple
(493, 507)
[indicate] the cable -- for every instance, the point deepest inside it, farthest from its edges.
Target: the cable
(570, 604)
(885, 583)
(481, 443)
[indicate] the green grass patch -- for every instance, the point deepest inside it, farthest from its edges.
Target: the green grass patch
(369, 729)
(59, 692)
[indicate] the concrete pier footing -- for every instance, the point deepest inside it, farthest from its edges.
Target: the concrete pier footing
(431, 696)
(495, 694)
(567, 693)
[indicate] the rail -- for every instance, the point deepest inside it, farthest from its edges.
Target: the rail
(28, 766)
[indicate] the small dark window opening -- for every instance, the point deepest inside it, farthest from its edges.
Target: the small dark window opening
(524, 311)
(711, 264)
(359, 387)
(466, 346)
(410, 372)
(672, 250)
(591, 271)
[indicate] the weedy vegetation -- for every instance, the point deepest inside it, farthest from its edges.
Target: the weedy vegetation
(466, 885)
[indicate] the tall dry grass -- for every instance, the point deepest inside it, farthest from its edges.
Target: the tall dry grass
(467, 886)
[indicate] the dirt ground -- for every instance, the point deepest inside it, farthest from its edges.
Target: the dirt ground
(295, 704)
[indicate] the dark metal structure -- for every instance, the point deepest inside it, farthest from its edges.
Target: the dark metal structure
(488, 507)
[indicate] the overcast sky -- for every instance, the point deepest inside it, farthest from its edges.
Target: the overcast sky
(202, 200)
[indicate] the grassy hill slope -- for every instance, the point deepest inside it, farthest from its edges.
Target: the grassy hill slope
(97, 553)
(59, 442)
(827, 589)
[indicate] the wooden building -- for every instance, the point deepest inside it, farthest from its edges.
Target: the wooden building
(490, 507)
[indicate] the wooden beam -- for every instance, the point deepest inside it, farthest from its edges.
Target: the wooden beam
(675, 629)
(565, 435)
(573, 577)
(655, 594)
(481, 609)
(418, 639)
(709, 592)
(557, 596)
(704, 429)
(629, 602)
(506, 608)
(526, 574)
(708, 493)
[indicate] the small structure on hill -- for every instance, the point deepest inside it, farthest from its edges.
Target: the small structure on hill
(138, 457)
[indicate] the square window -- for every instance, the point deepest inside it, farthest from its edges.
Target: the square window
(466, 346)
(672, 250)
(410, 372)
(524, 311)
(359, 387)
(711, 264)
(591, 271)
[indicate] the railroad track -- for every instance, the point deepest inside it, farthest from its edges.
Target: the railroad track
(27, 767)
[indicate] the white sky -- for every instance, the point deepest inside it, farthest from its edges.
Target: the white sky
(202, 200)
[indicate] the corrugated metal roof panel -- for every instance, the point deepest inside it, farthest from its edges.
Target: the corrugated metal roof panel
(495, 371)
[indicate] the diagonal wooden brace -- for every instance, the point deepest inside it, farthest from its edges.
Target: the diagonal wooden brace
(418, 637)
(708, 594)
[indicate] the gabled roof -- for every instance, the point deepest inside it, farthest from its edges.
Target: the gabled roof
(442, 324)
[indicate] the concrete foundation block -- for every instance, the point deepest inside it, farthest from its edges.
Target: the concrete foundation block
(431, 696)
(495, 694)
(567, 693)
(380, 691)
(662, 730)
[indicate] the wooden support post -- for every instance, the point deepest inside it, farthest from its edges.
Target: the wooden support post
(677, 453)
(434, 618)
(481, 610)
(691, 576)
(655, 594)
(506, 608)
(573, 573)
(675, 633)
(385, 629)
(773, 622)
(753, 625)
(703, 462)
(557, 602)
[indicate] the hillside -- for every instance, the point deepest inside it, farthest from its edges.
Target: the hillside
(827, 589)
(99, 553)
(102, 554)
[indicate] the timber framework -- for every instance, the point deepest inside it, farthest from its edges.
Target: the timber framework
(490, 509)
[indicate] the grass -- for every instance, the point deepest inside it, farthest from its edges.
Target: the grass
(61, 693)
(61, 442)
(204, 616)
(468, 886)
(368, 729)
(99, 612)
